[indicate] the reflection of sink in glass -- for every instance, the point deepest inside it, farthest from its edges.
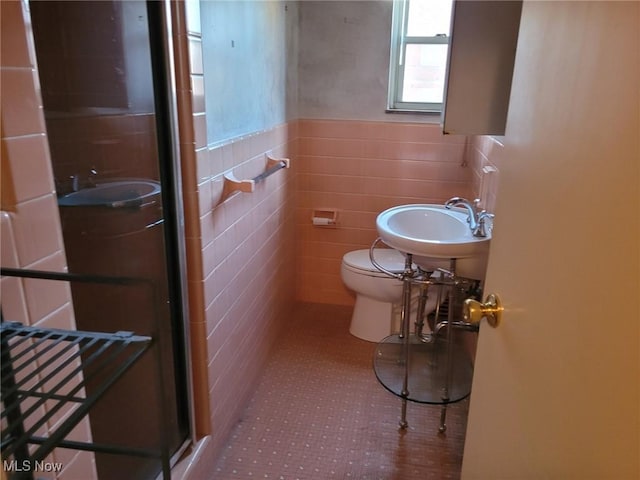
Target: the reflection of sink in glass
(125, 192)
(435, 234)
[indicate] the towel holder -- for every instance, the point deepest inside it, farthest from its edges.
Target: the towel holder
(232, 184)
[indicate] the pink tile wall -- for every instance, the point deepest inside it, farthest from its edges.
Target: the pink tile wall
(240, 248)
(482, 155)
(113, 146)
(247, 266)
(361, 168)
(30, 226)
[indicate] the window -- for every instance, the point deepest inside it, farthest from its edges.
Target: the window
(419, 48)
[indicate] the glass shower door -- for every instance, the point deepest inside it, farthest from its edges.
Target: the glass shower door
(109, 146)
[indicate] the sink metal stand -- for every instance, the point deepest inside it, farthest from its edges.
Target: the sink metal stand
(404, 333)
(425, 368)
(449, 368)
(409, 278)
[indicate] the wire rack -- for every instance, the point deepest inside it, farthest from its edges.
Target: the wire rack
(66, 362)
(45, 375)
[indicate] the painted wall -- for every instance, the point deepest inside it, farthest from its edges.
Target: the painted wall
(31, 232)
(343, 61)
(245, 65)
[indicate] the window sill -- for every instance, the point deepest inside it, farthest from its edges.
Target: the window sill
(431, 113)
(425, 116)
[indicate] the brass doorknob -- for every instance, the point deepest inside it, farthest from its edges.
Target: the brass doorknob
(473, 311)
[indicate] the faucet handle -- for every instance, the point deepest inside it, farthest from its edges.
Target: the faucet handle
(481, 229)
(484, 214)
(75, 182)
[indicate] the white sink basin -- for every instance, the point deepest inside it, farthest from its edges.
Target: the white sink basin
(431, 230)
(120, 193)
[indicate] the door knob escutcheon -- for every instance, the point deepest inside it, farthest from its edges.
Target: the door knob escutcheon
(473, 311)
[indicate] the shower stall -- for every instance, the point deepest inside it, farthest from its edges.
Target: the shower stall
(107, 99)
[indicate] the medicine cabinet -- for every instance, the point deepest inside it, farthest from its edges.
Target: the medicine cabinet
(484, 35)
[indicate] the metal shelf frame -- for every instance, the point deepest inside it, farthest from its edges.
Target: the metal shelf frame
(52, 366)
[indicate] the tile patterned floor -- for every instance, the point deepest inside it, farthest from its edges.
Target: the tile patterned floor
(319, 413)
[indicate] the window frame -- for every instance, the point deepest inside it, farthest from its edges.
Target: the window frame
(399, 42)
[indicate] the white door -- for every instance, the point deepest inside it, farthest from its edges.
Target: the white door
(556, 386)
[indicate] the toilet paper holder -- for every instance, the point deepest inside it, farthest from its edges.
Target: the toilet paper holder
(325, 217)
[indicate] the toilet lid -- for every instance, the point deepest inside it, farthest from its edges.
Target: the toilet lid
(390, 259)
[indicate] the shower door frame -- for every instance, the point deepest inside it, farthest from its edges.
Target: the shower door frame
(166, 106)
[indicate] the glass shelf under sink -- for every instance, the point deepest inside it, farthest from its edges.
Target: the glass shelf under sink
(428, 373)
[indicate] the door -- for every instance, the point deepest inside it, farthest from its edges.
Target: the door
(556, 385)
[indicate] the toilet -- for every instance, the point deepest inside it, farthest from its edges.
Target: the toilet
(376, 292)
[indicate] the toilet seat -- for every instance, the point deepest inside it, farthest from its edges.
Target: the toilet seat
(359, 262)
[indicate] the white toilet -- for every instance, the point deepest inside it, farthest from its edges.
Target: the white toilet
(377, 293)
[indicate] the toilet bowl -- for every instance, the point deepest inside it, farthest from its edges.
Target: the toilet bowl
(376, 293)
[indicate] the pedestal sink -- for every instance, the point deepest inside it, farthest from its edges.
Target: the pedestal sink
(434, 235)
(434, 367)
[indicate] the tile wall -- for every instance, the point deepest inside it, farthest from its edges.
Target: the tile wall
(483, 153)
(112, 146)
(99, 118)
(239, 248)
(361, 168)
(31, 232)
(248, 267)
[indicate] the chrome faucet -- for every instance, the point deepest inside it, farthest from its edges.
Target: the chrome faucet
(79, 182)
(476, 217)
(472, 209)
